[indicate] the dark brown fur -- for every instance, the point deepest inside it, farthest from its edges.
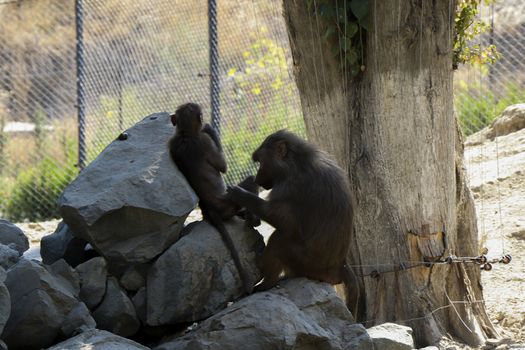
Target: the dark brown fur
(310, 207)
(197, 152)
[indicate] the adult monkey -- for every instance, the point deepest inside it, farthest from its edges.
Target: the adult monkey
(310, 207)
(197, 152)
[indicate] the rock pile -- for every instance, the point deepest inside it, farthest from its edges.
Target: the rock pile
(122, 271)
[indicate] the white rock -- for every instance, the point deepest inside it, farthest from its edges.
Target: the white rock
(98, 340)
(386, 336)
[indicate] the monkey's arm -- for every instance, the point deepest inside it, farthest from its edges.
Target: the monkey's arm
(274, 213)
(213, 134)
(214, 155)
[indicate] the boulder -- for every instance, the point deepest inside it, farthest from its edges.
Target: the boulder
(139, 302)
(302, 314)
(8, 256)
(134, 277)
(386, 336)
(62, 244)
(512, 119)
(196, 277)
(67, 275)
(77, 321)
(12, 234)
(5, 301)
(93, 275)
(96, 339)
(39, 304)
(130, 203)
(116, 313)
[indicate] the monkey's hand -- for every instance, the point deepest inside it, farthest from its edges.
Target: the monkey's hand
(237, 194)
(208, 129)
(213, 134)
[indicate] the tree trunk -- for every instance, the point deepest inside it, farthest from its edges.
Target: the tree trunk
(393, 129)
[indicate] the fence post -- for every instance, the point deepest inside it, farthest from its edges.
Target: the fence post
(79, 26)
(214, 66)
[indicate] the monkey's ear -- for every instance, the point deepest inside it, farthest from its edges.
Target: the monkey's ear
(173, 119)
(281, 149)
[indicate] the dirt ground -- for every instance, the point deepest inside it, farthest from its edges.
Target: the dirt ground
(496, 172)
(497, 178)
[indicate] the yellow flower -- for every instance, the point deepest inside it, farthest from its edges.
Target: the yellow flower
(256, 90)
(246, 53)
(232, 71)
(277, 83)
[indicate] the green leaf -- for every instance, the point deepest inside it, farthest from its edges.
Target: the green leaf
(365, 22)
(359, 8)
(351, 29)
(351, 56)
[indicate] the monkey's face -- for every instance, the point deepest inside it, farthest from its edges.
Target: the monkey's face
(272, 163)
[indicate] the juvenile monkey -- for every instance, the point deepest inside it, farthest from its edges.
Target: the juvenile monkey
(197, 152)
(310, 208)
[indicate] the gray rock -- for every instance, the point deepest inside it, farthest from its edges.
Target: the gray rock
(8, 256)
(116, 313)
(512, 119)
(39, 304)
(67, 275)
(386, 336)
(62, 244)
(139, 301)
(196, 277)
(77, 321)
(130, 203)
(302, 314)
(5, 304)
(10, 233)
(98, 340)
(93, 274)
(134, 277)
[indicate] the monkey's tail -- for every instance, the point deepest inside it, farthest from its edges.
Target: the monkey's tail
(217, 221)
(355, 298)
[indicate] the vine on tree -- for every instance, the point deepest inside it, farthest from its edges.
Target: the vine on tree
(347, 22)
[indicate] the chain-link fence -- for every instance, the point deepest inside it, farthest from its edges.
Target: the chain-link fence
(482, 92)
(137, 58)
(141, 57)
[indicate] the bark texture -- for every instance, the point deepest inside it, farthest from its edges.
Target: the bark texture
(393, 129)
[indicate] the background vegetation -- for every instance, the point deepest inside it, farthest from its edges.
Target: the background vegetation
(149, 56)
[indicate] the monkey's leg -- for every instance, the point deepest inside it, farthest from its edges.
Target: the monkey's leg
(271, 262)
(216, 220)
